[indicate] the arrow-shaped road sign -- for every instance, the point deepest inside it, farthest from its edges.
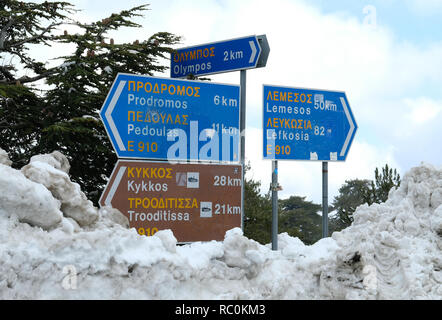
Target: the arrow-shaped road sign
(306, 124)
(198, 202)
(170, 119)
(223, 56)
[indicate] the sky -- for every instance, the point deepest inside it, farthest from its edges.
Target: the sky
(385, 54)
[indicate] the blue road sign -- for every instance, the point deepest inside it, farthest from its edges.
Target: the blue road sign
(167, 119)
(306, 124)
(216, 57)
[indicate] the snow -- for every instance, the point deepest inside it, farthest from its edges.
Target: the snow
(50, 170)
(65, 66)
(108, 69)
(331, 214)
(90, 117)
(29, 201)
(4, 158)
(55, 245)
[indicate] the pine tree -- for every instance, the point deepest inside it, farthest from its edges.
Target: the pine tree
(299, 218)
(81, 89)
(24, 25)
(352, 194)
(66, 117)
(257, 211)
(384, 181)
(357, 192)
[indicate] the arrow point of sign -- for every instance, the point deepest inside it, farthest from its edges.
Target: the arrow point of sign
(352, 128)
(108, 115)
(110, 195)
(254, 51)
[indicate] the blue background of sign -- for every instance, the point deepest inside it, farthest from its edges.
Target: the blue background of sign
(218, 63)
(201, 109)
(330, 139)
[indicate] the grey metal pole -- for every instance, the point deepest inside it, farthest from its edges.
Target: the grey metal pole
(324, 199)
(242, 124)
(274, 205)
(242, 127)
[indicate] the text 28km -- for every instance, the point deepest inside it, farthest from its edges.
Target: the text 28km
(221, 181)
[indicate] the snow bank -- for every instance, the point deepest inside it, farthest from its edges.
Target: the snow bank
(400, 241)
(392, 251)
(4, 159)
(51, 170)
(29, 201)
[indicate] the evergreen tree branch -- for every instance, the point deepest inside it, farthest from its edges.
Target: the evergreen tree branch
(4, 33)
(26, 79)
(40, 36)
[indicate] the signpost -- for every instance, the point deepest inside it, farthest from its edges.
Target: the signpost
(169, 119)
(306, 124)
(180, 121)
(198, 202)
(216, 57)
(223, 56)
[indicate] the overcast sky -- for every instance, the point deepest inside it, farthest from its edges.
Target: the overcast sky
(385, 54)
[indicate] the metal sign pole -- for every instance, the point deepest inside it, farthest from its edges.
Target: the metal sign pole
(324, 199)
(242, 127)
(274, 205)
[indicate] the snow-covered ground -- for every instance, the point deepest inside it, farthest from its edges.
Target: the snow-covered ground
(54, 244)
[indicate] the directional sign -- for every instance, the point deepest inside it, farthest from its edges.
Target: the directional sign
(306, 124)
(198, 202)
(168, 119)
(216, 57)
